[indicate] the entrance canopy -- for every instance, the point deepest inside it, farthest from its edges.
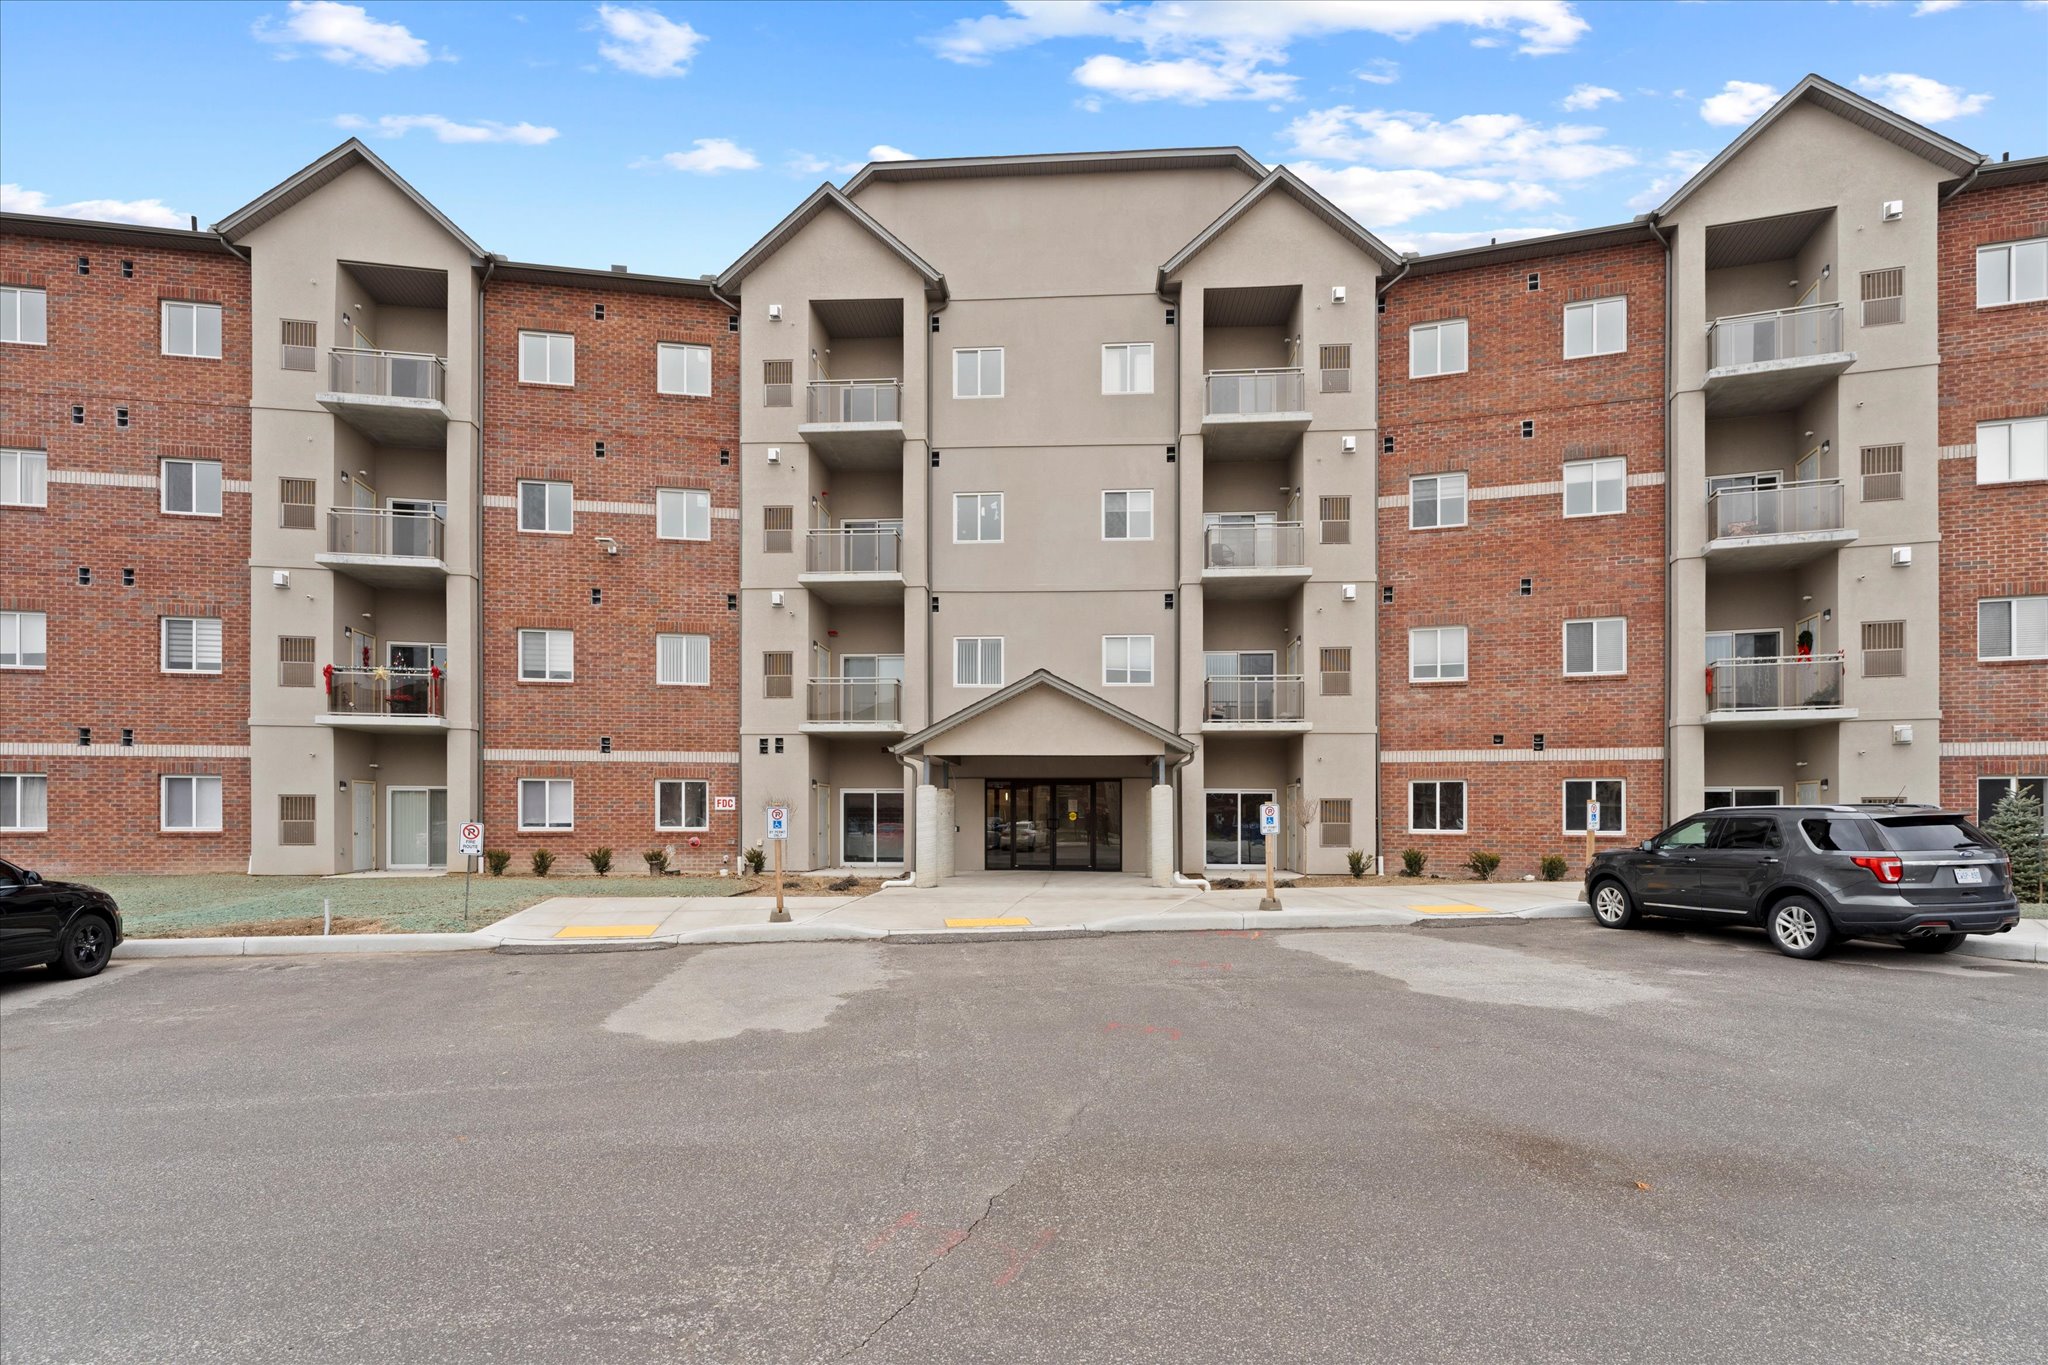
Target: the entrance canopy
(1042, 715)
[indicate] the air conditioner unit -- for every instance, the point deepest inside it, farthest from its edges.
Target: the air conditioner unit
(1902, 556)
(1894, 209)
(1902, 734)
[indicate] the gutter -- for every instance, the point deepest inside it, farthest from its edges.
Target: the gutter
(1649, 220)
(477, 477)
(930, 530)
(1968, 180)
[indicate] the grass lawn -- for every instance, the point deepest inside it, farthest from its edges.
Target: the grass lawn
(185, 907)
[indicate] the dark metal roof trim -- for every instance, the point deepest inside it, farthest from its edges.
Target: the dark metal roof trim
(113, 234)
(1996, 173)
(1532, 248)
(1059, 163)
(821, 198)
(1282, 179)
(1172, 742)
(325, 171)
(623, 281)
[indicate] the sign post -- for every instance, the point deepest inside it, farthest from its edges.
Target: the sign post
(1592, 828)
(471, 846)
(778, 835)
(1269, 828)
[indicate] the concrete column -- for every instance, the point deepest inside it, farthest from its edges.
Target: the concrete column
(1159, 830)
(925, 864)
(948, 831)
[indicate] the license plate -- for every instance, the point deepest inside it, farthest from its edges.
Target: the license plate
(1970, 876)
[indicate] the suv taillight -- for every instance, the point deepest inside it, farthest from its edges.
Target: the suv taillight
(1890, 871)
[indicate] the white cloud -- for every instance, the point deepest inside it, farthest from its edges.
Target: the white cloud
(448, 130)
(1186, 80)
(810, 163)
(712, 156)
(147, 212)
(344, 34)
(882, 151)
(1380, 71)
(1589, 97)
(1739, 102)
(645, 42)
(1926, 7)
(1921, 98)
(1428, 242)
(1679, 167)
(1495, 146)
(1383, 198)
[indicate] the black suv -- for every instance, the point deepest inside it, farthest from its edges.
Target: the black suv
(1814, 876)
(71, 927)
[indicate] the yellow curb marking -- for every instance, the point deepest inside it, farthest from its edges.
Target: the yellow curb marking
(985, 923)
(1451, 910)
(608, 931)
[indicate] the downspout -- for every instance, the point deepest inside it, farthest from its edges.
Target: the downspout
(250, 866)
(243, 256)
(1968, 180)
(476, 634)
(909, 877)
(739, 841)
(1670, 504)
(1179, 605)
(1379, 850)
(1178, 879)
(930, 530)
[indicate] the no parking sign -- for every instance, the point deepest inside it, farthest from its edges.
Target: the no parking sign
(472, 836)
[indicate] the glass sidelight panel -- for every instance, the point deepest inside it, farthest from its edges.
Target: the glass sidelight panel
(1230, 828)
(871, 826)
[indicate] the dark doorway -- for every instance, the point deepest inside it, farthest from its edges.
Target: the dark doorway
(1064, 826)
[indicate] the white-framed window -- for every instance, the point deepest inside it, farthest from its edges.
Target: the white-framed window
(1126, 661)
(679, 513)
(190, 804)
(189, 488)
(2012, 272)
(1436, 654)
(1596, 646)
(24, 478)
(24, 802)
(191, 329)
(978, 373)
(1436, 348)
(682, 369)
(24, 316)
(2011, 452)
(191, 644)
(2012, 628)
(1127, 514)
(682, 660)
(977, 518)
(547, 358)
(547, 803)
(1436, 501)
(1436, 807)
(1608, 791)
(1127, 367)
(1596, 327)
(977, 661)
(547, 507)
(547, 656)
(1596, 488)
(24, 639)
(1992, 790)
(682, 803)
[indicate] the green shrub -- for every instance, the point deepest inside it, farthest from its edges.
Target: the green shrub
(542, 861)
(1554, 867)
(2015, 826)
(756, 858)
(1413, 860)
(600, 861)
(1483, 865)
(497, 859)
(657, 861)
(1356, 857)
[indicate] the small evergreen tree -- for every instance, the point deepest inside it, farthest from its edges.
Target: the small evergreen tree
(2015, 826)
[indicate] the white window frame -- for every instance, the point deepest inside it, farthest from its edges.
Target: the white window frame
(17, 781)
(568, 527)
(21, 293)
(2011, 271)
(980, 644)
(1569, 807)
(693, 507)
(164, 645)
(15, 488)
(548, 357)
(19, 620)
(689, 655)
(1464, 805)
(548, 668)
(1595, 307)
(195, 780)
(1129, 511)
(2012, 606)
(977, 538)
(1464, 635)
(1130, 669)
(1593, 480)
(547, 803)
(683, 804)
(170, 307)
(1436, 331)
(1595, 622)
(1436, 482)
(1128, 351)
(2007, 430)
(687, 352)
(981, 370)
(163, 481)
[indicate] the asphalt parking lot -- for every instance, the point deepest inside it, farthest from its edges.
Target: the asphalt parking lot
(1531, 1141)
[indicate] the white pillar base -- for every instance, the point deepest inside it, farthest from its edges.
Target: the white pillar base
(925, 869)
(948, 833)
(1159, 836)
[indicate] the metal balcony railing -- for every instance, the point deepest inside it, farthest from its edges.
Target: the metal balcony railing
(1816, 505)
(856, 549)
(1784, 334)
(1253, 393)
(388, 374)
(854, 701)
(855, 400)
(383, 691)
(379, 531)
(1262, 545)
(1780, 684)
(1254, 700)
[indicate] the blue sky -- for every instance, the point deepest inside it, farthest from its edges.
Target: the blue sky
(668, 136)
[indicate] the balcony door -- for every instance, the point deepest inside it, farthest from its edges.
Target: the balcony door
(1235, 538)
(1239, 684)
(419, 828)
(362, 849)
(870, 544)
(871, 827)
(868, 691)
(1230, 828)
(1744, 688)
(413, 523)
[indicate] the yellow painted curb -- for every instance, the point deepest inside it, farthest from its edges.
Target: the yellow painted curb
(608, 931)
(1451, 910)
(986, 923)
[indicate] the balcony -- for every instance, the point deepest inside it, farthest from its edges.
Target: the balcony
(1265, 559)
(393, 397)
(1768, 362)
(1776, 694)
(1750, 529)
(1261, 704)
(1253, 414)
(853, 706)
(854, 565)
(854, 423)
(384, 548)
(392, 701)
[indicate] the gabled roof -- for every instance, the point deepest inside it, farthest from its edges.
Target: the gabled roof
(1868, 115)
(2026, 171)
(1058, 163)
(1282, 180)
(325, 171)
(824, 197)
(113, 234)
(1168, 740)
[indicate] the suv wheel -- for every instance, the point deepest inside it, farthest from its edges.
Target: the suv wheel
(1933, 943)
(1612, 906)
(86, 946)
(1799, 928)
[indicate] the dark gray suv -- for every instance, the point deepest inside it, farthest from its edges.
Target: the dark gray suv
(1813, 876)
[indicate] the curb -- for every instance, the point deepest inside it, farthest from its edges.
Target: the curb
(278, 945)
(2017, 946)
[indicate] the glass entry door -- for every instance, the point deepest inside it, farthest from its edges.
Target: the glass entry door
(419, 827)
(1230, 828)
(1065, 826)
(871, 826)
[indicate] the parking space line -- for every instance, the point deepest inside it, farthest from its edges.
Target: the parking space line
(1450, 910)
(1005, 922)
(607, 931)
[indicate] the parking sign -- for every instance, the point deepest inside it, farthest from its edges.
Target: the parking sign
(472, 835)
(778, 822)
(1592, 817)
(1269, 817)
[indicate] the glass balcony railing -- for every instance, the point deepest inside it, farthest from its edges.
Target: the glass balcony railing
(854, 549)
(1784, 334)
(1258, 545)
(1253, 393)
(1813, 683)
(387, 374)
(854, 701)
(1254, 699)
(384, 692)
(380, 531)
(1781, 509)
(854, 400)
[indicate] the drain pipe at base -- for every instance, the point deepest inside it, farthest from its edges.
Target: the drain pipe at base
(909, 877)
(1172, 778)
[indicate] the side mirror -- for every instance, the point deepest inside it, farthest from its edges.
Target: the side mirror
(31, 879)
(1648, 845)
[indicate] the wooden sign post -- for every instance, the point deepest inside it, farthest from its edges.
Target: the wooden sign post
(778, 835)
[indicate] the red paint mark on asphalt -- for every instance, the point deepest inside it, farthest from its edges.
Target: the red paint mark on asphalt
(888, 1234)
(1172, 1034)
(951, 1238)
(1111, 1027)
(1015, 1260)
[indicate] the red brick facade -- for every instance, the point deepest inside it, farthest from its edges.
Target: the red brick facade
(1578, 568)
